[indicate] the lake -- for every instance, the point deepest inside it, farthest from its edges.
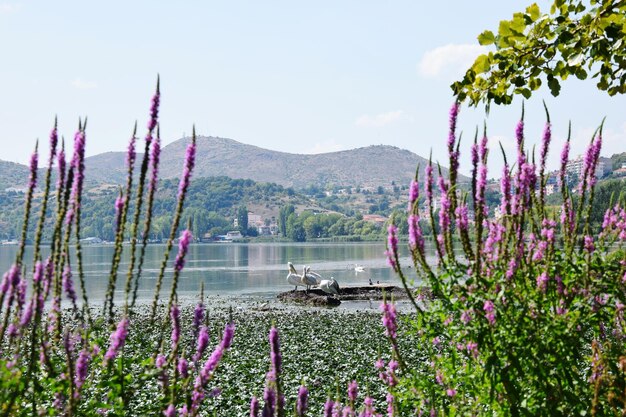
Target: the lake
(258, 269)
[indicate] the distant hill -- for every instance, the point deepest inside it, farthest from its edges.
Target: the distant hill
(13, 175)
(371, 166)
(368, 167)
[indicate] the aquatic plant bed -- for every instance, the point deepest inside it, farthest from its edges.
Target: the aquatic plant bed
(324, 348)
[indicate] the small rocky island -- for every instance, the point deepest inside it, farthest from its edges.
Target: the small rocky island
(318, 298)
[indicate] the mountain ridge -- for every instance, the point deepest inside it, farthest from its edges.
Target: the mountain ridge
(370, 166)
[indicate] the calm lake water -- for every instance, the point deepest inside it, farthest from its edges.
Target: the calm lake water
(233, 268)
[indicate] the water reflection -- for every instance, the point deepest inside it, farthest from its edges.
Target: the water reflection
(231, 268)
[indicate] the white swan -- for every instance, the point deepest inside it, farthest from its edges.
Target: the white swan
(358, 268)
(307, 279)
(329, 286)
(293, 278)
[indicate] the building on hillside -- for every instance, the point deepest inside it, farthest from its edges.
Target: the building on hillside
(575, 167)
(375, 218)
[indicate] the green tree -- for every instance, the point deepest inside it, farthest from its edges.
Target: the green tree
(242, 219)
(574, 39)
(283, 215)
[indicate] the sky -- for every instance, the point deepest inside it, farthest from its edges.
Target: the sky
(298, 77)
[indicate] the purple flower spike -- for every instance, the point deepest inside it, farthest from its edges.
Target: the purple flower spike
(119, 206)
(117, 340)
(155, 156)
(429, 183)
(275, 356)
(414, 191)
(131, 154)
(61, 163)
(32, 181)
(190, 160)
(170, 411)
(462, 219)
(254, 407)
(392, 245)
(82, 363)
(154, 110)
(183, 245)
(389, 320)
(202, 343)
(54, 139)
(545, 144)
(198, 315)
(68, 285)
(416, 239)
(328, 407)
(175, 316)
(183, 367)
(353, 389)
(505, 190)
(302, 402)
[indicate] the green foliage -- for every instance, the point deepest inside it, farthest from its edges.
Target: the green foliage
(530, 320)
(577, 38)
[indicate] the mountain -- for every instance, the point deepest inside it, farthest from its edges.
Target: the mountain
(13, 175)
(370, 166)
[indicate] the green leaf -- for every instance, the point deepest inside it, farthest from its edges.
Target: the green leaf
(482, 64)
(533, 11)
(486, 38)
(555, 87)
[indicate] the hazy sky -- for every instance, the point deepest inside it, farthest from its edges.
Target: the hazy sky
(301, 77)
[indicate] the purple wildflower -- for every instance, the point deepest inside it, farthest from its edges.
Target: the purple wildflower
(61, 164)
(461, 215)
(131, 154)
(190, 160)
(154, 110)
(429, 183)
(505, 190)
(564, 160)
(444, 212)
(254, 407)
(389, 321)
(202, 343)
(183, 367)
(353, 389)
(170, 411)
(183, 245)
(175, 316)
(198, 315)
(545, 145)
(32, 181)
(454, 156)
(542, 281)
(119, 207)
(302, 402)
(160, 361)
(482, 149)
(480, 186)
(390, 407)
(416, 240)
(78, 163)
(155, 156)
(466, 316)
(328, 407)
(82, 363)
(117, 339)
(414, 191)
(275, 356)
(489, 310)
(450, 392)
(68, 284)
(392, 245)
